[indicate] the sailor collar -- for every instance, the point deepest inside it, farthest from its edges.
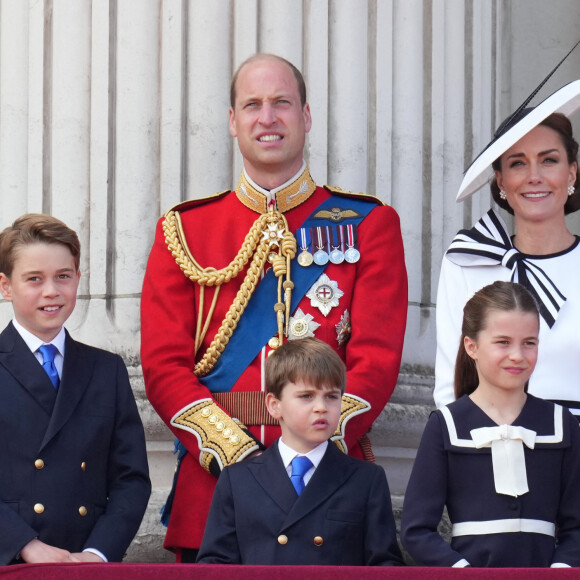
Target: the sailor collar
(286, 197)
(507, 443)
(551, 438)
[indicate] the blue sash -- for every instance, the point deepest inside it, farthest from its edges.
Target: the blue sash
(257, 326)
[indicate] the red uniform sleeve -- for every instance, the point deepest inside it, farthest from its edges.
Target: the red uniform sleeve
(378, 318)
(168, 322)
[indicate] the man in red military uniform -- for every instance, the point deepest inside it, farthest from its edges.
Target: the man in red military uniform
(232, 276)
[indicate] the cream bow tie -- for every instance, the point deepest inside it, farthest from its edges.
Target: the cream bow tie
(507, 454)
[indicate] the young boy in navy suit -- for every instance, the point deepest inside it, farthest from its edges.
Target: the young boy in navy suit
(74, 481)
(302, 501)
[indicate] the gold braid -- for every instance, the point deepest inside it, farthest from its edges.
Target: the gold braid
(256, 246)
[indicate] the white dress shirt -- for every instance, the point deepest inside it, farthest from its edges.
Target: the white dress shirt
(315, 455)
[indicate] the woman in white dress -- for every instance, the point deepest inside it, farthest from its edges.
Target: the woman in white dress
(534, 169)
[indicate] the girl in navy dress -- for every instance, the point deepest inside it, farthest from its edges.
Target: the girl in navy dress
(505, 463)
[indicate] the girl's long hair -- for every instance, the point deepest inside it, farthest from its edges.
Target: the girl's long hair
(502, 296)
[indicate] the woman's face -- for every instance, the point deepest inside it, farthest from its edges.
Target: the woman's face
(535, 174)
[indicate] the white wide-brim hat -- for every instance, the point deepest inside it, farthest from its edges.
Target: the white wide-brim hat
(565, 100)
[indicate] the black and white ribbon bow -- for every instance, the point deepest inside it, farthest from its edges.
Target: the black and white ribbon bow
(489, 244)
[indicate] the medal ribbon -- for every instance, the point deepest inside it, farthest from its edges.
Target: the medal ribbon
(351, 230)
(255, 328)
(321, 237)
(328, 239)
(341, 231)
(304, 239)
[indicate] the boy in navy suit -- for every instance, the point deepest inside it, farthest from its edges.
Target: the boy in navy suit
(302, 501)
(74, 481)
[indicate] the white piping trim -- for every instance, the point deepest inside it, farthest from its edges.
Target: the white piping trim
(503, 527)
(546, 439)
(558, 428)
(455, 441)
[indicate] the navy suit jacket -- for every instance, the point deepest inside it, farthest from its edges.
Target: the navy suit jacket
(73, 464)
(343, 516)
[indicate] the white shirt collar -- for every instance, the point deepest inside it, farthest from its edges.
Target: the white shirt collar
(33, 342)
(288, 454)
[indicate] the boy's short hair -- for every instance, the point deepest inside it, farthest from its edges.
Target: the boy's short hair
(36, 228)
(307, 359)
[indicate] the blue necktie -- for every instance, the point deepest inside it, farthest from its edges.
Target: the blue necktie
(300, 465)
(48, 352)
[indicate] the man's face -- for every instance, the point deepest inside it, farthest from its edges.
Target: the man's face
(269, 122)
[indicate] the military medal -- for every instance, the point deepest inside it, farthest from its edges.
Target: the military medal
(319, 241)
(305, 257)
(324, 294)
(337, 240)
(273, 235)
(343, 329)
(301, 325)
(351, 255)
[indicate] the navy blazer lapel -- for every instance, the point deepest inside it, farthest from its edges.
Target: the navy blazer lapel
(76, 374)
(330, 474)
(21, 363)
(270, 473)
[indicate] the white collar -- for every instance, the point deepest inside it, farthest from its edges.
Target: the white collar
(288, 454)
(33, 342)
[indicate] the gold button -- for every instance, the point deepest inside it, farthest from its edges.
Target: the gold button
(318, 541)
(220, 425)
(38, 508)
(274, 342)
(234, 439)
(282, 540)
(83, 465)
(206, 412)
(39, 464)
(213, 419)
(227, 433)
(83, 510)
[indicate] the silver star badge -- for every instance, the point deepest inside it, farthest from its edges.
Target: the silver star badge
(301, 325)
(273, 235)
(324, 294)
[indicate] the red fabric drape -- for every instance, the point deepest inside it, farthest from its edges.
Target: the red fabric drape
(188, 571)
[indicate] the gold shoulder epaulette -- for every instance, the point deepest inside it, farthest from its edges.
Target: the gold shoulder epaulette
(351, 406)
(344, 193)
(189, 203)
